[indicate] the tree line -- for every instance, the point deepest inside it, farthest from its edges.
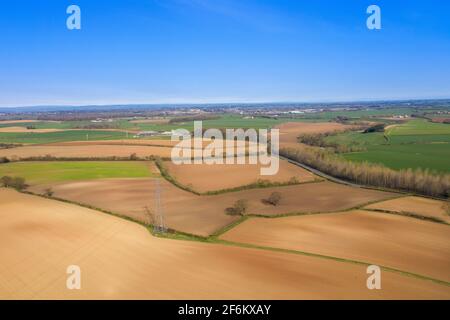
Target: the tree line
(369, 174)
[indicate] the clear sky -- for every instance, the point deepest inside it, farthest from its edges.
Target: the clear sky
(175, 51)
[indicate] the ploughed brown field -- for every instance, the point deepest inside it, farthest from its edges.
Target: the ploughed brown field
(203, 215)
(403, 243)
(18, 121)
(97, 149)
(204, 177)
(40, 238)
(290, 131)
(144, 142)
(84, 151)
(23, 129)
(416, 205)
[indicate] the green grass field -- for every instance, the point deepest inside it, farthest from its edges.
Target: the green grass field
(419, 127)
(59, 171)
(415, 144)
(225, 121)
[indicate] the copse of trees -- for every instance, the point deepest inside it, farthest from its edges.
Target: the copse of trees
(319, 140)
(17, 183)
(379, 127)
(418, 181)
(238, 209)
(274, 199)
(9, 145)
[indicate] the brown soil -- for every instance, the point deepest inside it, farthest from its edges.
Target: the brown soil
(86, 151)
(399, 242)
(203, 215)
(290, 131)
(17, 121)
(203, 177)
(40, 238)
(23, 129)
(421, 206)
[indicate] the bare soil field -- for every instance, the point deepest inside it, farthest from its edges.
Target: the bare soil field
(183, 211)
(417, 205)
(86, 151)
(23, 129)
(18, 121)
(203, 215)
(40, 238)
(144, 142)
(289, 131)
(204, 178)
(140, 142)
(308, 198)
(400, 242)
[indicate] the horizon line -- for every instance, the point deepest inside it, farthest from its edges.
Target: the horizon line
(203, 103)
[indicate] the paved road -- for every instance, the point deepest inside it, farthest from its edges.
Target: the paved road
(322, 174)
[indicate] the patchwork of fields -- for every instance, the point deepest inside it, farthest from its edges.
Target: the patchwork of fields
(415, 144)
(314, 242)
(359, 235)
(119, 259)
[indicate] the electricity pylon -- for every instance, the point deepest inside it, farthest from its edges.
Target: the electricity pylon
(159, 213)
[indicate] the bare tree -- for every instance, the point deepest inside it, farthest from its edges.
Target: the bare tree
(274, 199)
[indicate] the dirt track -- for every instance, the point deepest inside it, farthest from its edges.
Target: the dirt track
(40, 238)
(400, 242)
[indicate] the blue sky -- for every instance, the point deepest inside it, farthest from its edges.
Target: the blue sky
(175, 51)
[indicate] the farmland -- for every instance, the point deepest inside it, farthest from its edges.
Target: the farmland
(59, 136)
(199, 176)
(43, 132)
(125, 262)
(127, 188)
(357, 235)
(63, 171)
(421, 207)
(414, 144)
(86, 151)
(315, 241)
